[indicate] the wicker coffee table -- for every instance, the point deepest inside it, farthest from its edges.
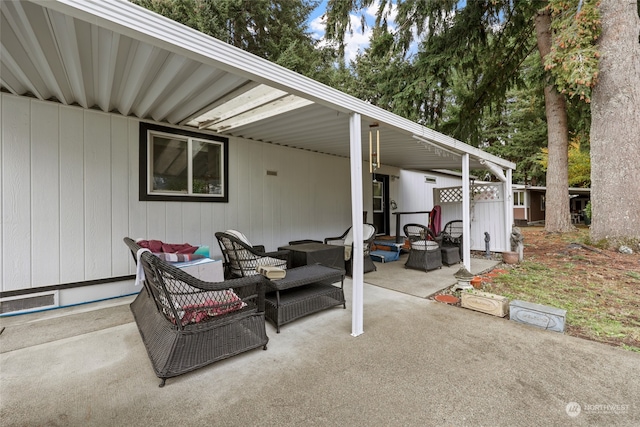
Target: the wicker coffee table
(303, 291)
(315, 253)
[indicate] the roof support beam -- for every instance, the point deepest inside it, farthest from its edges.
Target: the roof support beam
(466, 219)
(357, 256)
(508, 210)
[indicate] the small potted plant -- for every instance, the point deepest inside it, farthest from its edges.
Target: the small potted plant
(476, 282)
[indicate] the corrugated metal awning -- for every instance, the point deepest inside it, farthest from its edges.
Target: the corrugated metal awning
(117, 57)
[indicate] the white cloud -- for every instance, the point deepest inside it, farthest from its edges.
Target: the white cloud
(317, 27)
(357, 40)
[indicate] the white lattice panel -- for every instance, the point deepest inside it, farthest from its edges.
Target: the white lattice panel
(450, 195)
(487, 192)
(486, 213)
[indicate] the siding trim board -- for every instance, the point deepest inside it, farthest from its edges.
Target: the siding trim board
(62, 286)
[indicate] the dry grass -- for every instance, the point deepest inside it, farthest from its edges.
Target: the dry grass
(599, 288)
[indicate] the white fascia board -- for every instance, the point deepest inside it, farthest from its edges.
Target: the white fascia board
(141, 24)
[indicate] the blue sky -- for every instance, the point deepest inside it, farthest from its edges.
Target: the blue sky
(354, 42)
(358, 40)
(319, 10)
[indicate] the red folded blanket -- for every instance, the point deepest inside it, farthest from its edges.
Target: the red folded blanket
(158, 246)
(196, 313)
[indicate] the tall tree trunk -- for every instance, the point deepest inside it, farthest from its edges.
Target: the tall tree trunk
(615, 126)
(557, 214)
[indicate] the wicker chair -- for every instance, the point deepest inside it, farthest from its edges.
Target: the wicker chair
(346, 240)
(425, 251)
(186, 324)
(241, 258)
(451, 235)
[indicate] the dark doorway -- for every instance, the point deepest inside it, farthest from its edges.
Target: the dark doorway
(381, 203)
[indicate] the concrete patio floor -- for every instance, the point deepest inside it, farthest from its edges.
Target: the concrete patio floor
(418, 362)
(394, 276)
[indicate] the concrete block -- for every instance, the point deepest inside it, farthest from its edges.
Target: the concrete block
(496, 305)
(541, 316)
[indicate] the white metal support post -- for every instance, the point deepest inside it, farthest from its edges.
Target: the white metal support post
(466, 220)
(508, 210)
(357, 256)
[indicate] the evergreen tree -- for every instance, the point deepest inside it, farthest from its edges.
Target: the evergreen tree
(474, 52)
(272, 29)
(615, 127)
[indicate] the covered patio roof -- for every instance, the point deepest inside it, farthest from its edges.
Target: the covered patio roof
(117, 57)
(114, 56)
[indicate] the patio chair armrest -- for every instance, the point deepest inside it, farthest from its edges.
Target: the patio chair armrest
(329, 239)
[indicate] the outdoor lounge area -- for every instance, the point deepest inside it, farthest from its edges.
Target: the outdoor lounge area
(277, 174)
(418, 362)
(187, 322)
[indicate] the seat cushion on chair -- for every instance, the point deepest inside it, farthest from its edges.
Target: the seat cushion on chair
(201, 306)
(275, 262)
(348, 239)
(238, 235)
(424, 245)
(347, 253)
(368, 231)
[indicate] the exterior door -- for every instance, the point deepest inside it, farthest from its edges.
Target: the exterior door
(381, 204)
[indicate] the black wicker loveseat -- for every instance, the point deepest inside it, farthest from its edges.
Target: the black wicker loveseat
(186, 323)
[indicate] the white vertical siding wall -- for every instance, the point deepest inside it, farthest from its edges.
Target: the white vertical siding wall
(69, 194)
(488, 216)
(485, 215)
(414, 194)
(45, 190)
(417, 195)
(16, 193)
(72, 192)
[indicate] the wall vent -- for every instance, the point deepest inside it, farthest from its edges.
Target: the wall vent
(430, 179)
(30, 302)
(272, 173)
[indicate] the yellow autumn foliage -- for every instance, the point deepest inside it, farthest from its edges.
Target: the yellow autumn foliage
(579, 163)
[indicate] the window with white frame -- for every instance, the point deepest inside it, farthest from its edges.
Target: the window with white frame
(178, 165)
(518, 198)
